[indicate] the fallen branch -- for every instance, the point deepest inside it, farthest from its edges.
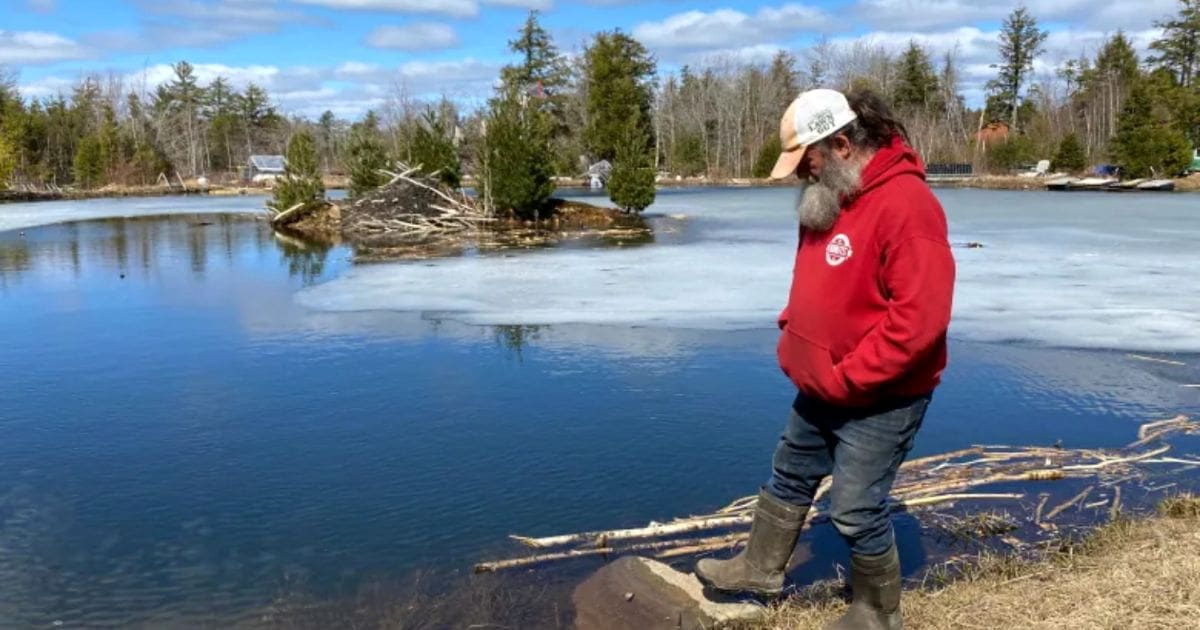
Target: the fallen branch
(1069, 502)
(280, 216)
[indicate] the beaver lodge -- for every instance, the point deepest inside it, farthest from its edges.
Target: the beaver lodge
(413, 215)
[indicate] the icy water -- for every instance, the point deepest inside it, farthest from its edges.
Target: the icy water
(195, 414)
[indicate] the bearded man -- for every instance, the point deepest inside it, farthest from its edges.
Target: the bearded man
(863, 340)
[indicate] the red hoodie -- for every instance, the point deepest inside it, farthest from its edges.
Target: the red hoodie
(870, 299)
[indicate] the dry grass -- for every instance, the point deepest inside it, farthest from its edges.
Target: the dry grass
(1128, 574)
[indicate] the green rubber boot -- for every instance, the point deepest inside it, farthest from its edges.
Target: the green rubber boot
(760, 567)
(875, 585)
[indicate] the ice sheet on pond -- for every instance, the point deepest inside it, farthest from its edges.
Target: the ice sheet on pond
(1079, 270)
(20, 216)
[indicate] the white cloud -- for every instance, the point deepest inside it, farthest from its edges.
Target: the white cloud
(45, 87)
(43, 6)
(38, 47)
(456, 8)
(200, 23)
(932, 14)
(976, 49)
(757, 54)
(540, 5)
(414, 37)
(729, 28)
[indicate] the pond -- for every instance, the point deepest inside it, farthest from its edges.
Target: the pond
(195, 414)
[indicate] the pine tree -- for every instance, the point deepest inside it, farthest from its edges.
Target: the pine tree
(433, 147)
(367, 157)
(541, 70)
(1179, 48)
(109, 137)
(147, 163)
(1015, 152)
(631, 183)
(1070, 156)
(619, 73)
(1148, 141)
(687, 158)
(89, 163)
(782, 79)
(918, 83)
(767, 157)
(8, 160)
(518, 171)
(301, 181)
(1021, 43)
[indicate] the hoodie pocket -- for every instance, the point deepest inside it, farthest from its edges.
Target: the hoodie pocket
(810, 366)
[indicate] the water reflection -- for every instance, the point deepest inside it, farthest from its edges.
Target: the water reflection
(105, 247)
(177, 443)
(305, 259)
(514, 338)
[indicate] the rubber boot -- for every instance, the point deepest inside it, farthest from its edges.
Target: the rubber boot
(760, 567)
(875, 586)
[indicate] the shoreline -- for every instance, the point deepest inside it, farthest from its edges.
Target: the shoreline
(1138, 570)
(980, 182)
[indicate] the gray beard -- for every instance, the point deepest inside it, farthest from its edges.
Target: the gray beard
(821, 201)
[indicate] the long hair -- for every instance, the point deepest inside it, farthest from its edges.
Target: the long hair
(876, 124)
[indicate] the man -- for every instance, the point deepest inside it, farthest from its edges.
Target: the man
(863, 339)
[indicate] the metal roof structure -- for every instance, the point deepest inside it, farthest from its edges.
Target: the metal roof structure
(267, 163)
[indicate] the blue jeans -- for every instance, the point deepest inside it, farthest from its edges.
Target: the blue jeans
(862, 449)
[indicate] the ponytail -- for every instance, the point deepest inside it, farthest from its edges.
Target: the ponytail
(876, 125)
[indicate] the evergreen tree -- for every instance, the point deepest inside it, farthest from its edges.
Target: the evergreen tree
(687, 159)
(619, 76)
(1021, 42)
(89, 163)
(147, 163)
(109, 137)
(326, 139)
(543, 75)
(258, 116)
(541, 71)
(918, 83)
(1015, 152)
(767, 157)
(301, 181)
(631, 183)
(8, 160)
(1179, 48)
(219, 113)
(518, 172)
(433, 147)
(1149, 141)
(782, 78)
(367, 158)
(1070, 156)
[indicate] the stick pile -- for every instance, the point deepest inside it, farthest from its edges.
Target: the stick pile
(936, 480)
(411, 205)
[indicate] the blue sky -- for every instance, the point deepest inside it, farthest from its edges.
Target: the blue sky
(351, 55)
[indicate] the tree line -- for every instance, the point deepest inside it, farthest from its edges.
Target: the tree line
(555, 114)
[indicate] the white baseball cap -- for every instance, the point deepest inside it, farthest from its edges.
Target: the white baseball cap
(812, 117)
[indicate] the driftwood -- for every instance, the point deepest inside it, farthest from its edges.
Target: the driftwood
(1069, 502)
(280, 217)
(922, 482)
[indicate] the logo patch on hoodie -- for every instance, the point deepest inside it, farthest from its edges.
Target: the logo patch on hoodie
(838, 250)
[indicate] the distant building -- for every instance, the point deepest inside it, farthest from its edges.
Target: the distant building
(991, 134)
(598, 173)
(265, 168)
